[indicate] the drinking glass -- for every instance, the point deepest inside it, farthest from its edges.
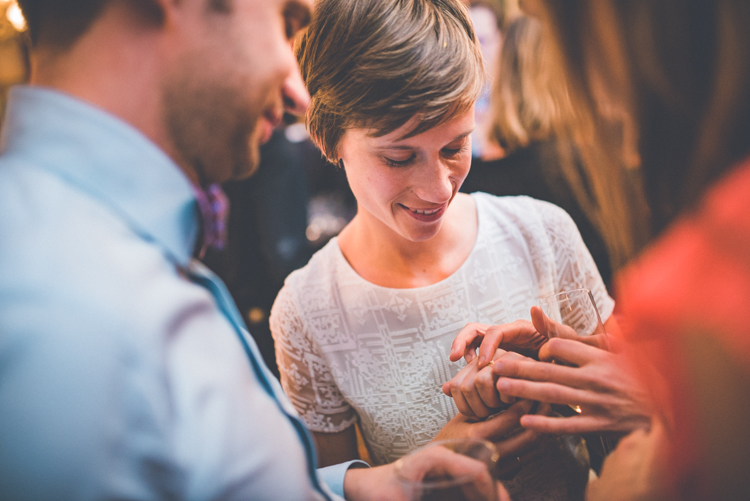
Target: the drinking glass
(455, 469)
(571, 313)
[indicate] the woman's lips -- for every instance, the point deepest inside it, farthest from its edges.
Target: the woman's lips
(425, 215)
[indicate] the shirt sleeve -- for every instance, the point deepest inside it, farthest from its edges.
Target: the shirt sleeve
(574, 266)
(306, 376)
(333, 475)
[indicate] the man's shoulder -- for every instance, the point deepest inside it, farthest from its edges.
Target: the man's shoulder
(62, 251)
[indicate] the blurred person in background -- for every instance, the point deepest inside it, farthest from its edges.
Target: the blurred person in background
(363, 331)
(488, 18)
(524, 155)
(681, 69)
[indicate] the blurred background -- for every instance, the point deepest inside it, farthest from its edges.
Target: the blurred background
(14, 67)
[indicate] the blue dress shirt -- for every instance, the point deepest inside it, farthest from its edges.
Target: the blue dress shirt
(125, 369)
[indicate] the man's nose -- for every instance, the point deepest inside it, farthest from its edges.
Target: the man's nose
(294, 92)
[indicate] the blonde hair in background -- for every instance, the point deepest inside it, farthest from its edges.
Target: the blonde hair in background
(524, 105)
(531, 101)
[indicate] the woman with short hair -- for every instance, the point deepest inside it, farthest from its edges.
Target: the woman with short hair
(363, 332)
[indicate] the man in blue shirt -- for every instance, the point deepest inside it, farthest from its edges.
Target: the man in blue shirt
(125, 369)
(125, 372)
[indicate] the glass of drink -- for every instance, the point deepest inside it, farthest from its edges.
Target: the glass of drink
(454, 469)
(571, 313)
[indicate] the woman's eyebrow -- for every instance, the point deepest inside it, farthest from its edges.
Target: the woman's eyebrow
(407, 147)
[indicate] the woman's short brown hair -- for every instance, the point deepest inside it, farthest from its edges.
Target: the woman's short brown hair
(377, 63)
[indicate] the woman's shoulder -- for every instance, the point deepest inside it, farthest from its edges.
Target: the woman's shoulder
(306, 290)
(321, 264)
(520, 209)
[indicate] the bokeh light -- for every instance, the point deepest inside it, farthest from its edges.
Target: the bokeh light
(14, 15)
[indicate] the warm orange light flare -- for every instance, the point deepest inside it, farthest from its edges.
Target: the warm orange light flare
(14, 15)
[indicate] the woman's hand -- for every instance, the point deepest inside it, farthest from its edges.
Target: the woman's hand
(473, 389)
(518, 335)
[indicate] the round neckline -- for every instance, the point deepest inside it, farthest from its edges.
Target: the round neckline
(341, 258)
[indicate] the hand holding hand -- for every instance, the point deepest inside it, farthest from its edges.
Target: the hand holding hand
(592, 378)
(473, 388)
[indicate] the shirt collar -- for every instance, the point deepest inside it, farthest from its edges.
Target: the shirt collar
(107, 158)
(214, 208)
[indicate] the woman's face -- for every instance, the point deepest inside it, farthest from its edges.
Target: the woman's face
(406, 185)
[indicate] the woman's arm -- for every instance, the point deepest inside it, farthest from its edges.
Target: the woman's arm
(335, 448)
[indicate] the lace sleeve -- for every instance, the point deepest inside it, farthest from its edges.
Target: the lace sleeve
(574, 266)
(305, 375)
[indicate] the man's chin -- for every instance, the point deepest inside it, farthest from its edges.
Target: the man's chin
(247, 168)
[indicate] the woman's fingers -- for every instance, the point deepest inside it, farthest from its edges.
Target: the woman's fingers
(466, 341)
(520, 334)
(465, 392)
(484, 382)
(473, 399)
(457, 394)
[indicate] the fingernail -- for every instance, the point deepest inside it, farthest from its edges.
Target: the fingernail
(498, 367)
(502, 384)
(482, 361)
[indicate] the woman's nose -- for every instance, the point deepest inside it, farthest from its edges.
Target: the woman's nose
(436, 183)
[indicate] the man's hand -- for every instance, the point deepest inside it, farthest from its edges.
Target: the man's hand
(515, 445)
(635, 470)
(592, 378)
(383, 483)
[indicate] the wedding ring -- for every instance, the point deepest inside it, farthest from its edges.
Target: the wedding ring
(518, 458)
(491, 362)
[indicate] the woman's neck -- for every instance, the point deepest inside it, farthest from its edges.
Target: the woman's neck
(383, 257)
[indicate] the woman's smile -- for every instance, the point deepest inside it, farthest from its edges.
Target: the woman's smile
(425, 215)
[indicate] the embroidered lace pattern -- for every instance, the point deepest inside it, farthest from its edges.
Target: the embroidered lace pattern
(349, 350)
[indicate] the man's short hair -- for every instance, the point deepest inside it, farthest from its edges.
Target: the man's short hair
(378, 63)
(59, 23)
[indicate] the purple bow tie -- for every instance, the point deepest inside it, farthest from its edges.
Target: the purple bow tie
(214, 209)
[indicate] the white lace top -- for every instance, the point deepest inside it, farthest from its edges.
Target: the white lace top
(348, 349)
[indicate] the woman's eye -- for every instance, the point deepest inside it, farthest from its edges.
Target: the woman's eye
(451, 152)
(399, 163)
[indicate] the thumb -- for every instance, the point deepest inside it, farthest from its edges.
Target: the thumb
(538, 318)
